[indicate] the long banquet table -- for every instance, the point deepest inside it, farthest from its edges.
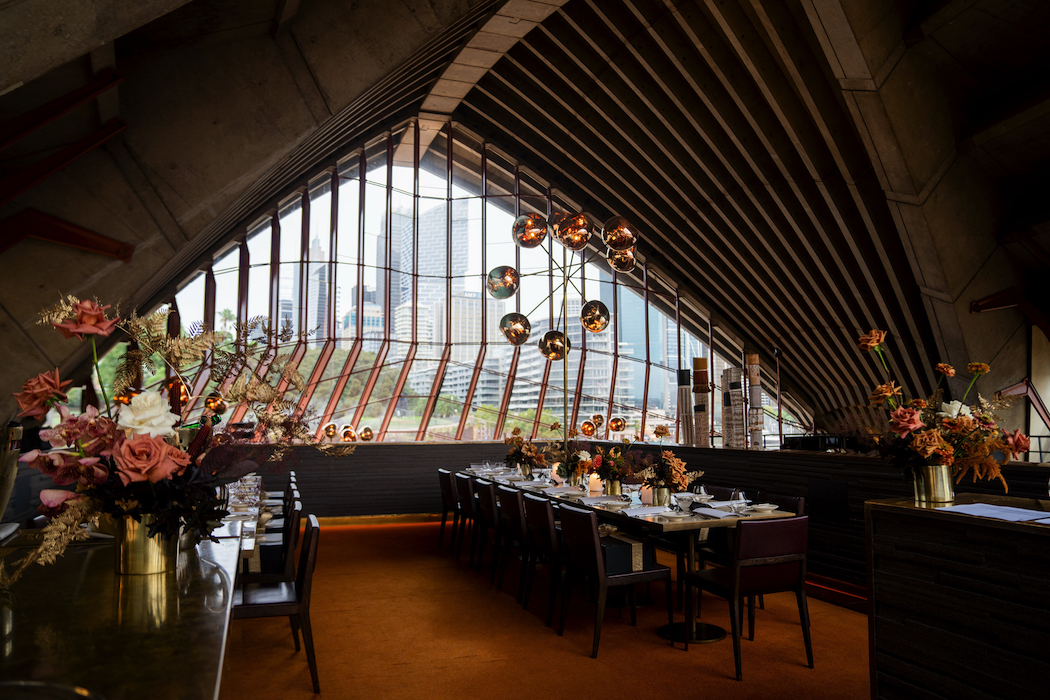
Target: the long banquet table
(76, 622)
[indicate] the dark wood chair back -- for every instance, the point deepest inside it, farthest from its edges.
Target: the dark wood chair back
(290, 537)
(448, 489)
(512, 510)
(307, 561)
(539, 519)
(721, 493)
(770, 555)
(487, 503)
(583, 550)
(791, 504)
(465, 491)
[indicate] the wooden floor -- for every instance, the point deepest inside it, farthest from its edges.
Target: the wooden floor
(396, 617)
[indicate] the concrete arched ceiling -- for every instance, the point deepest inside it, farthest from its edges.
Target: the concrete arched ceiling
(806, 169)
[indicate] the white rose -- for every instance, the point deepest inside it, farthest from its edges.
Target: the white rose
(584, 455)
(954, 410)
(147, 414)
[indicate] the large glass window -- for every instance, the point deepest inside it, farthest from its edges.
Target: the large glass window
(380, 270)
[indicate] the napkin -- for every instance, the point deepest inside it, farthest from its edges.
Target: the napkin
(595, 500)
(712, 513)
(721, 504)
(645, 510)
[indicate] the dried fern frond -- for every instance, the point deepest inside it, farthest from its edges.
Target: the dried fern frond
(331, 450)
(58, 312)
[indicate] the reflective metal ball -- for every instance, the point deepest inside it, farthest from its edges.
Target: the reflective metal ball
(502, 282)
(594, 316)
(619, 233)
(529, 230)
(554, 345)
(515, 327)
(621, 260)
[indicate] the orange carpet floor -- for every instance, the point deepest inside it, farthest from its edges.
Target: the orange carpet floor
(396, 617)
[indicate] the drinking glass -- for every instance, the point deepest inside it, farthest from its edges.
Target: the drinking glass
(739, 501)
(684, 501)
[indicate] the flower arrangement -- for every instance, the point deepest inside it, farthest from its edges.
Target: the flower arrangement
(929, 432)
(614, 464)
(522, 451)
(130, 464)
(666, 471)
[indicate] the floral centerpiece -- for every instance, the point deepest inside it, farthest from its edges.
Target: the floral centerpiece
(932, 437)
(666, 472)
(614, 463)
(523, 452)
(129, 465)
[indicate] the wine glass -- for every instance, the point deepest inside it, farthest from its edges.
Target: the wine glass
(739, 501)
(629, 492)
(683, 501)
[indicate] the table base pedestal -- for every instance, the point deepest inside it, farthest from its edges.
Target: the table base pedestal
(705, 633)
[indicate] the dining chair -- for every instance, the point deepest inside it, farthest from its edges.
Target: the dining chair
(583, 555)
(449, 504)
(769, 556)
(277, 559)
(543, 542)
(512, 530)
(287, 598)
(468, 511)
(488, 519)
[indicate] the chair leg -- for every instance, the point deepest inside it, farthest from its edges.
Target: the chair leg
(735, 622)
(441, 532)
(522, 572)
(566, 592)
(462, 533)
(599, 615)
(761, 602)
(681, 578)
(552, 598)
(455, 531)
(803, 616)
(670, 608)
(294, 620)
(633, 605)
(308, 642)
(529, 568)
(689, 618)
(497, 555)
(751, 618)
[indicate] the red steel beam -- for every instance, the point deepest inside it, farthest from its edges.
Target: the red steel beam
(22, 180)
(31, 223)
(16, 129)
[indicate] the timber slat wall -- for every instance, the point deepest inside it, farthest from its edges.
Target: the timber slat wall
(398, 478)
(960, 607)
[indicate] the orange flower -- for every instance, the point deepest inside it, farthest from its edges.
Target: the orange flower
(918, 403)
(40, 393)
(555, 426)
(978, 368)
(883, 392)
(872, 340)
(661, 431)
(927, 442)
(945, 369)
(91, 320)
(945, 455)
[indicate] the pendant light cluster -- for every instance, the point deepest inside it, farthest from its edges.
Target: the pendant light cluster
(573, 232)
(347, 433)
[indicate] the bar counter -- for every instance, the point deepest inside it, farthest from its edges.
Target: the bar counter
(960, 604)
(77, 622)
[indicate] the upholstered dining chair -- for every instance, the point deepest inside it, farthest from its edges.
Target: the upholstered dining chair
(449, 504)
(543, 543)
(289, 599)
(468, 511)
(769, 556)
(583, 556)
(488, 519)
(512, 530)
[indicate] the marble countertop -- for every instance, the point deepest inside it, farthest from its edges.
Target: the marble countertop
(77, 622)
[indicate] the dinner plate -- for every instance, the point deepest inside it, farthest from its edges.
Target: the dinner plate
(237, 516)
(615, 505)
(676, 515)
(763, 507)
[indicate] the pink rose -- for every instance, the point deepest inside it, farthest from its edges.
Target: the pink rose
(54, 501)
(91, 320)
(1017, 443)
(145, 458)
(40, 393)
(905, 420)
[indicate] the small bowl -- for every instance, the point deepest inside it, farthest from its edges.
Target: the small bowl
(763, 507)
(702, 498)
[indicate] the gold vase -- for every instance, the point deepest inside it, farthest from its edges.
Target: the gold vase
(574, 479)
(612, 488)
(525, 469)
(138, 553)
(933, 484)
(661, 496)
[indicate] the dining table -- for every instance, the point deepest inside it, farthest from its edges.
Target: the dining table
(681, 528)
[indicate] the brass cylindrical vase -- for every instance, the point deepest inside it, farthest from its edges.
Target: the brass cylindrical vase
(933, 484)
(612, 488)
(138, 553)
(10, 448)
(525, 469)
(661, 496)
